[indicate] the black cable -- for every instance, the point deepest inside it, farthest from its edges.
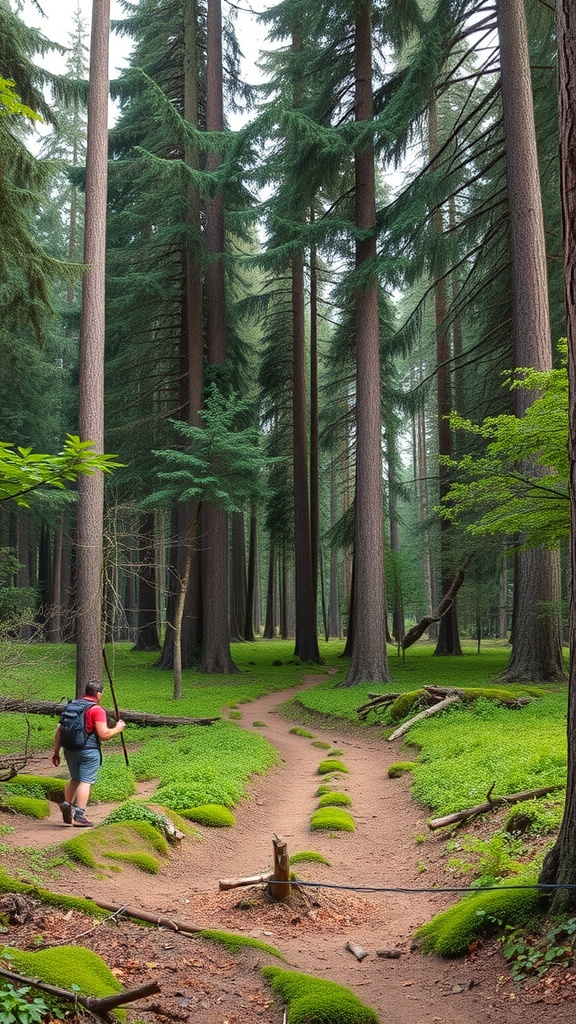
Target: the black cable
(392, 889)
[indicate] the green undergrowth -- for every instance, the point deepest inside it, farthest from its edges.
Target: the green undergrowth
(535, 817)
(235, 943)
(70, 967)
(30, 806)
(130, 840)
(452, 932)
(332, 819)
(400, 768)
(413, 701)
(312, 1000)
(299, 730)
(144, 861)
(40, 786)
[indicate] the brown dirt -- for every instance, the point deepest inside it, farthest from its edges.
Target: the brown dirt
(202, 982)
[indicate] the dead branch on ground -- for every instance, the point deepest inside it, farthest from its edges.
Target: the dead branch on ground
(491, 803)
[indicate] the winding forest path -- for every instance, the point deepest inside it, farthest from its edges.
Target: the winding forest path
(383, 852)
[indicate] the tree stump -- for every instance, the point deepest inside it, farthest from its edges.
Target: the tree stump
(279, 885)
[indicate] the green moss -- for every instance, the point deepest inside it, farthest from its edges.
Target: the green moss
(260, 725)
(134, 810)
(144, 861)
(236, 943)
(66, 967)
(324, 789)
(453, 931)
(332, 819)
(410, 702)
(53, 899)
(335, 800)
(321, 744)
(534, 817)
(27, 805)
(309, 855)
(210, 814)
(331, 765)
(52, 789)
(315, 1001)
(138, 836)
(335, 752)
(235, 715)
(299, 730)
(400, 768)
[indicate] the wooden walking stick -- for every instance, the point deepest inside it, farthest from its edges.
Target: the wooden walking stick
(115, 702)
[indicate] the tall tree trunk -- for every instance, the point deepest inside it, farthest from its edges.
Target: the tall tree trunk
(398, 625)
(560, 863)
(334, 628)
(306, 647)
(503, 600)
(314, 419)
(216, 657)
(238, 581)
(270, 618)
(147, 638)
(90, 521)
(248, 631)
(537, 640)
(369, 661)
(23, 552)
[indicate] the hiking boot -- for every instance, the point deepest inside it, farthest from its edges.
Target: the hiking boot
(80, 818)
(66, 809)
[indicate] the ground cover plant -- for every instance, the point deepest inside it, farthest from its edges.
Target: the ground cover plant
(332, 819)
(314, 1001)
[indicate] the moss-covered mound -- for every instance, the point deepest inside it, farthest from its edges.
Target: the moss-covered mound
(332, 819)
(158, 817)
(335, 800)
(331, 765)
(28, 805)
(315, 1001)
(308, 855)
(236, 943)
(213, 815)
(37, 785)
(299, 730)
(452, 932)
(54, 899)
(129, 838)
(65, 966)
(400, 768)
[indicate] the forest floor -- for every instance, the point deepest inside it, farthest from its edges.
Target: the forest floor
(390, 849)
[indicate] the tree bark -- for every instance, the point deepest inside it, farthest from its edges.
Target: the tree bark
(90, 520)
(560, 863)
(147, 638)
(536, 639)
(369, 661)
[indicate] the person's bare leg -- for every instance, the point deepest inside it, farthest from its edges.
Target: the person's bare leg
(70, 790)
(82, 794)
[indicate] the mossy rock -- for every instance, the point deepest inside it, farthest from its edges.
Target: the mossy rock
(299, 730)
(309, 856)
(400, 768)
(66, 967)
(137, 836)
(332, 819)
(452, 932)
(534, 817)
(52, 789)
(316, 1001)
(213, 815)
(28, 805)
(335, 800)
(321, 744)
(331, 765)
(324, 789)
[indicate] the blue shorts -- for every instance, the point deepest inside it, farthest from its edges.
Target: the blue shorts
(83, 765)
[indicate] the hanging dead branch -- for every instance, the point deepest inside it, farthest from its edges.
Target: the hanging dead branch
(447, 601)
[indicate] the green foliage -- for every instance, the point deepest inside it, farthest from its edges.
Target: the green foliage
(37, 785)
(332, 819)
(323, 789)
(11, 104)
(309, 855)
(236, 943)
(494, 859)
(22, 470)
(299, 730)
(213, 815)
(17, 1005)
(531, 956)
(235, 715)
(453, 931)
(331, 765)
(27, 805)
(400, 768)
(134, 810)
(260, 725)
(140, 837)
(535, 817)
(335, 800)
(519, 484)
(315, 1001)
(70, 967)
(411, 702)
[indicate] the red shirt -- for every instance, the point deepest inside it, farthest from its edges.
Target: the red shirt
(93, 715)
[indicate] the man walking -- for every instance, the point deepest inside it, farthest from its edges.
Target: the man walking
(83, 756)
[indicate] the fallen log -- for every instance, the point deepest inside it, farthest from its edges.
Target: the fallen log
(377, 700)
(455, 696)
(47, 707)
(142, 915)
(99, 1007)
(490, 804)
(236, 883)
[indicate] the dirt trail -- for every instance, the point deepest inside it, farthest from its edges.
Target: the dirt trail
(382, 852)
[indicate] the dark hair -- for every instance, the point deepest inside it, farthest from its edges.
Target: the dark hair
(93, 688)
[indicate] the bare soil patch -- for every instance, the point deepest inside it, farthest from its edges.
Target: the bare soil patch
(201, 981)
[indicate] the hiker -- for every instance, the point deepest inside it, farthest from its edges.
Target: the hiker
(81, 743)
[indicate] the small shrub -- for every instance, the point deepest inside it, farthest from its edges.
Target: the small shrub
(260, 725)
(332, 819)
(213, 815)
(133, 810)
(400, 768)
(335, 800)
(17, 1006)
(331, 765)
(316, 1001)
(532, 956)
(299, 730)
